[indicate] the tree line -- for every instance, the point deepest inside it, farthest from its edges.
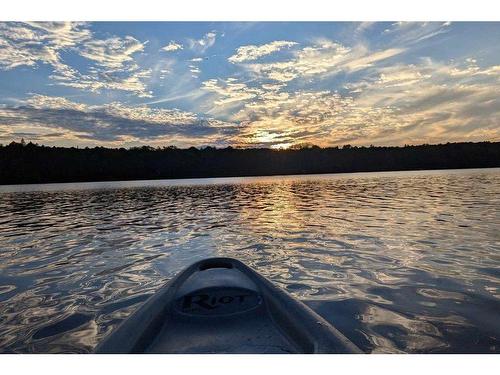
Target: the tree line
(22, 162)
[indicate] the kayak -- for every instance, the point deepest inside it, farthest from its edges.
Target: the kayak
(220, 305)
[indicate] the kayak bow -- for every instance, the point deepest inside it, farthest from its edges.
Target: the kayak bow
(220, 305)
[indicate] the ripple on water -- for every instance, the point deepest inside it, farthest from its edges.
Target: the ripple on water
(398, 262)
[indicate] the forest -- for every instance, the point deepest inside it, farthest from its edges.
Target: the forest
(23, 163)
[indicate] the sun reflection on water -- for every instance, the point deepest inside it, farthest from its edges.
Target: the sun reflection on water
(397, 261)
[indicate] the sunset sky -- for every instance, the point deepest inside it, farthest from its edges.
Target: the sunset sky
(249, 84)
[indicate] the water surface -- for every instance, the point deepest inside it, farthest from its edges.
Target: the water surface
(398, 261)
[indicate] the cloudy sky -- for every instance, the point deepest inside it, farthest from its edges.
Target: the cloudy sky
(249, 84)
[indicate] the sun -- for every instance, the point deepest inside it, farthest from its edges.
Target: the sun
(281, 146)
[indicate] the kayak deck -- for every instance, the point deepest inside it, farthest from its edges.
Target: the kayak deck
(225, 315)
(219, 305)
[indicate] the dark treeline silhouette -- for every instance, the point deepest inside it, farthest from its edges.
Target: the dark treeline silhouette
(31, 163)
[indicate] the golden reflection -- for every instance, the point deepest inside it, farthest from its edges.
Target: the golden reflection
(407, 256)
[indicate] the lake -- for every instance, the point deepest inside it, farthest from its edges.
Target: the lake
(397, 261)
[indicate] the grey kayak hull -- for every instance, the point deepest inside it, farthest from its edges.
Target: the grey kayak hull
(220, 305)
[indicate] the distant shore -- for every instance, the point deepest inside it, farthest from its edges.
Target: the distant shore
(22, 163)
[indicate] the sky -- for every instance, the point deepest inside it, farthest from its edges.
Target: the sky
(240, 84)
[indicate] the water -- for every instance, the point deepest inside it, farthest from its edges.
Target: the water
(399, 261)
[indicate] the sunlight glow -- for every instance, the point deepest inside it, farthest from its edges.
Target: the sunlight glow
(281, 146)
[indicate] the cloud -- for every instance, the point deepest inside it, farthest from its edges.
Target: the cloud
(270, 115)
(28, 44)
(113, 66)
(113, 53)
(172, 46)
(436, 101)
(324, 58)
(230, 91)
(362, 27)
(161, 69)
(320, 117)
(253, 52)
(380, 90)
(363, 62)
(392, 104)
(201, 45)
(409, 33)
(112, 123)
(194, 69)
(98, 80)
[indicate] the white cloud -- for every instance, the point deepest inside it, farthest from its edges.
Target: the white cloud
(133, 81)
(363, 62)
(113, 53)
(28, 44)
(277, 102)
(393, 104)
(319, 117)
(114, 68)
(229, 91)
(172, 46)
(201, 45)
(409, 33)
(436, 101)
(362, 27)
(253, 52)
(59, 119)
(53, 102)
(324, 58)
